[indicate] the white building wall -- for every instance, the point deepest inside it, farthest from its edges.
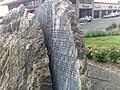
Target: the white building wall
(100, 6)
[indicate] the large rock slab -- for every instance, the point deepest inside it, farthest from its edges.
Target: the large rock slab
(23, 56)
(65, 44)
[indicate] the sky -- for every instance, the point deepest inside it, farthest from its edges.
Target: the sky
(110, 1)
(3, 10)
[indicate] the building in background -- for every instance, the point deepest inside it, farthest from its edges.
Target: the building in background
(30, 4)
(97, 9)
(101, 8)
(86, 7)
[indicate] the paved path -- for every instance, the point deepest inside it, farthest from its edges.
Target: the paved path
(102, 79)
(100, 24)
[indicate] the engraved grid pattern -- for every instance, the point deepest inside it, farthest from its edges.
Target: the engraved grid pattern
(60, 45)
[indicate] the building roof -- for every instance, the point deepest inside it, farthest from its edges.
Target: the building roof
(8, 2)
(107, 3)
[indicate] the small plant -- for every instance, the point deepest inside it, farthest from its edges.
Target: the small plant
(100, 56)
(103, 54)
(114, 55)
(89, 55)
(90, 52)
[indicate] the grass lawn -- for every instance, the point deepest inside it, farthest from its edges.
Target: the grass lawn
(106, 41)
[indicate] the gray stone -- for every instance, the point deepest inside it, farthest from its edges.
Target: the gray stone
(23, 56)
(65, 44)
(79, 44)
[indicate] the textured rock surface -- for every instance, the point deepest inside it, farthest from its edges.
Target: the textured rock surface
(62, 30)
(23, 56)
(79, 44)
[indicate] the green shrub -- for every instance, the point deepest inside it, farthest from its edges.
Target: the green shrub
(113, 55)
(104, 54)
(89, 55)
(95, 34)
(100, 55)
(102, 33)
(113, 32)
(90, 52)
